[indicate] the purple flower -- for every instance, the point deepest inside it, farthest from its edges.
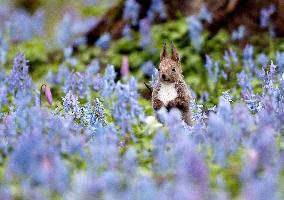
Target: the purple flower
(98, 83)
(205, 96)
(34, 161)
(108, 82)
(280, 60)
(131, 11)
(282, 80)
(71, 28)
(126, 108)
(77, 83)
(230, 57)
(154, 77)
(22, 159)
(94, 116)
(191, 168)
(227, 96)
(92, 72)
(243, 119)
(259, 182)
(124, 70)
(148, 68)
(262, 59)
(243, 80)
(239, 33)
(3, 95)
(204, 14)
(145, 32)
(6, 193)
(91, 2)
(248, 52)
(272, 68)
(227, 59)
(4, 48)
(224, 75)
(19, 79)
(195, 30)
(47, 93)
(104, 41)
(264, 144)
(212, 68)
(71, 105)
(252, 100)
(157, 7)
(126, 32)
(174, 123)
(219, 132)
(23, 27)
(99, 111)
(248, 58)
(265, 15)
(59, 77)
(130, 161)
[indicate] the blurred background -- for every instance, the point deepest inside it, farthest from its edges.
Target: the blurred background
(215, 39)
(94, 134)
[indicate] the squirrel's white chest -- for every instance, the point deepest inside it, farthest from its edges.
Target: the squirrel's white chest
(167, 92)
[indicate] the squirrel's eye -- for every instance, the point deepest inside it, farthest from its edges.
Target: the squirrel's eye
(173, 69)
(158, 69)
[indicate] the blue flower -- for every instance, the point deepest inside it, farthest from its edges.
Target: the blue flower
(204, 14)
(91, 72)
(23, 26)
(126, 32)
(145, 32)
(70, 30)
(3, 95)
(71, 105)
(244, 80)
(126, 108)
(108, 83)
(131, 11)
(104, 41)
(154, 77)
(59, 77)
(94, 116)
(248, 52)
(19, 79)
(280, 60)
(248, 58)
(4, 47)
(157, 7)
(77, 83)
(239, 33)
(263, 60)
(34, 161)
(265, 15)
(195, 30)
(212, 69)
(230, 58)
(148, 68)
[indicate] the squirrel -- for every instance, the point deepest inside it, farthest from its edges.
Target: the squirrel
(171, 91)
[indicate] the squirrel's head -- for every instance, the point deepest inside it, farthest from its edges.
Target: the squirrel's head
(170, 68)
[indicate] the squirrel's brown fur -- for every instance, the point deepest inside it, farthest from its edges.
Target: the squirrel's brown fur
(171, 90)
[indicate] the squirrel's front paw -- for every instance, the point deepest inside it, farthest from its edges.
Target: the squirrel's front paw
(178, 103)
(171, 104)
(157, 104)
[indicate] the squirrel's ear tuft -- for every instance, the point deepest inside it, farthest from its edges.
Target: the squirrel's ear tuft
(175, 55)
(164, 51)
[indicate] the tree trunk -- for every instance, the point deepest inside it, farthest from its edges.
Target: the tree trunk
(228, 14)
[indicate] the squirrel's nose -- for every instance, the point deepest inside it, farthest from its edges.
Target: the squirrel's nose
(163, 76)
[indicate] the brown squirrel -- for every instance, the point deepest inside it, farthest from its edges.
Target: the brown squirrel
(171, 91)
